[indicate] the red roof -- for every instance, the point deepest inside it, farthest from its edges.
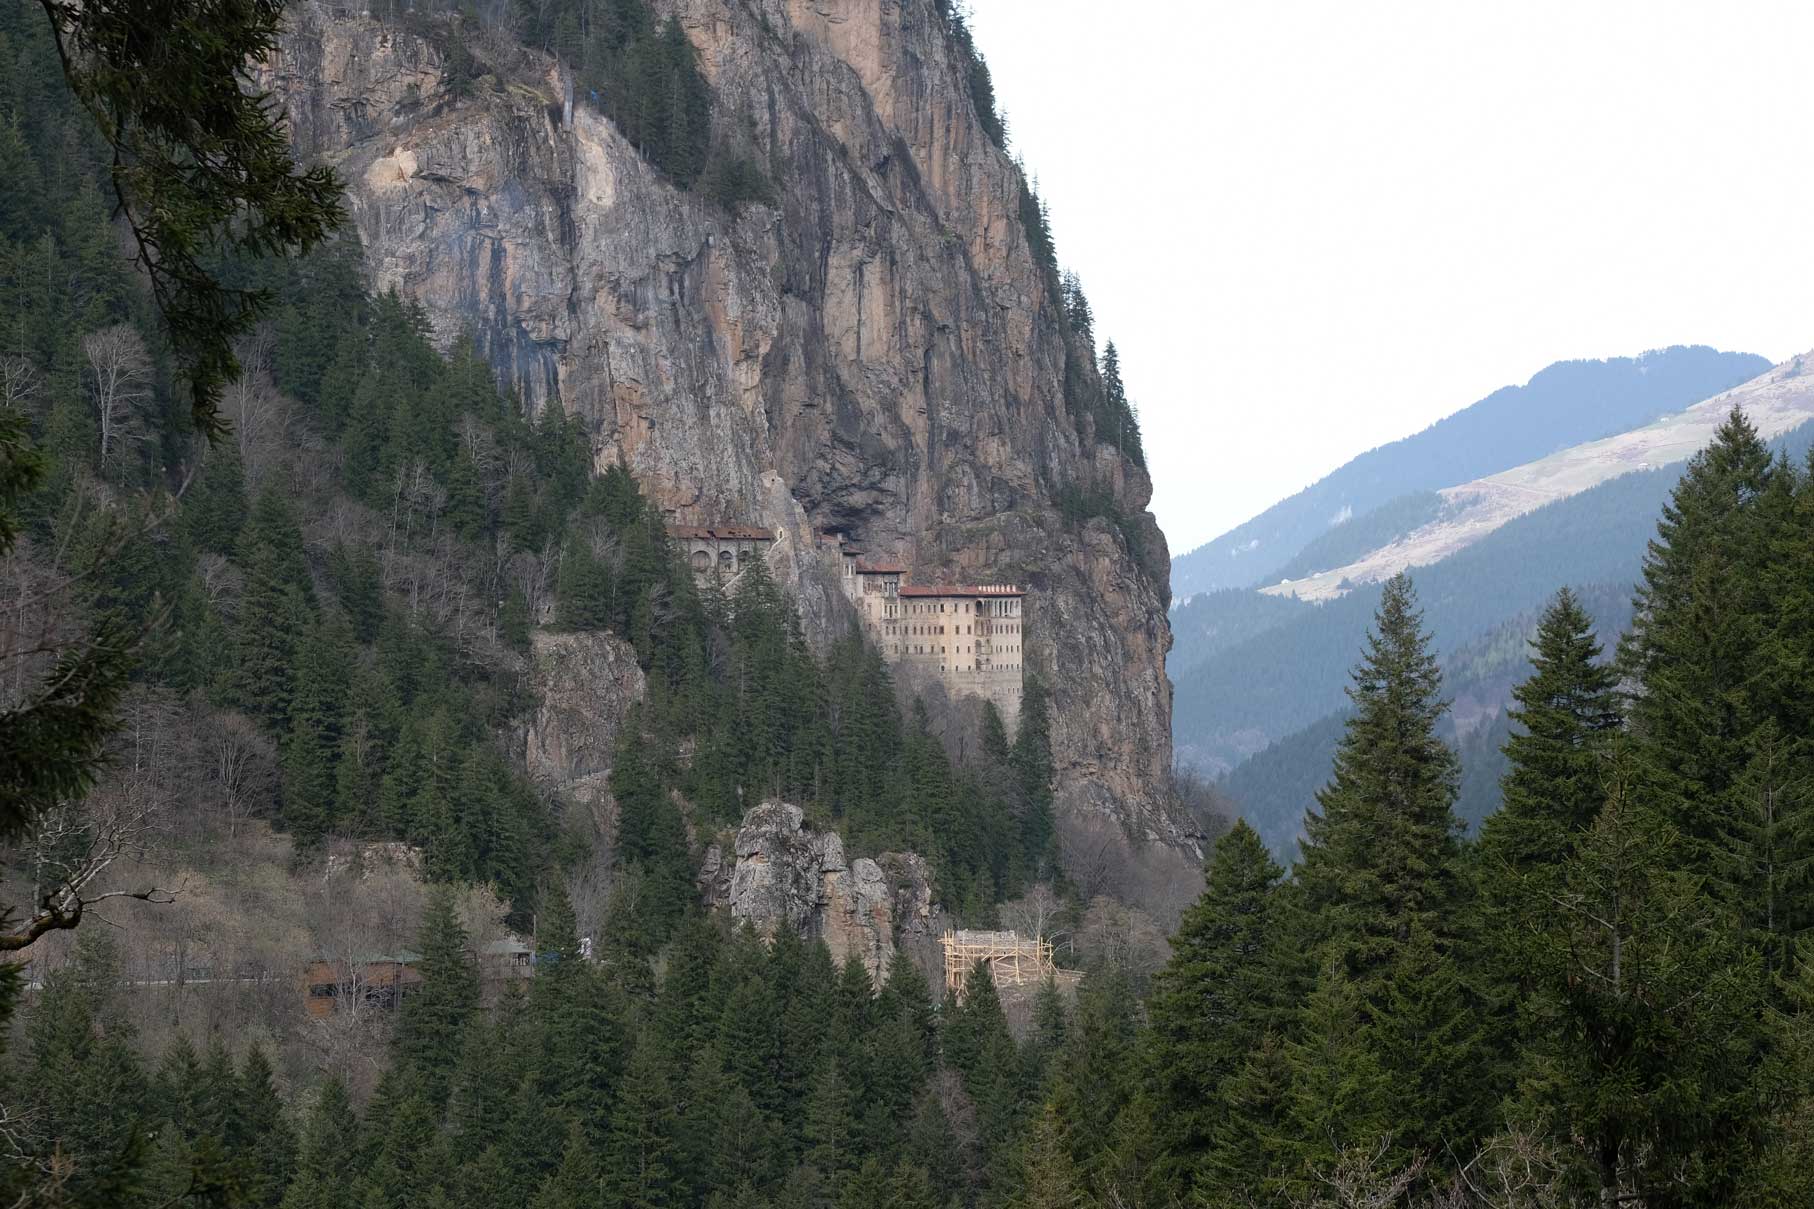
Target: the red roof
(963, 590)
(864, 568)
(723, 533)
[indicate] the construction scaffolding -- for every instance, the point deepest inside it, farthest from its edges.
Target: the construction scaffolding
(1014, 960)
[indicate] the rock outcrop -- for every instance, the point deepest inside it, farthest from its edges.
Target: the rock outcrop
(783, 876)
(584, 684)
(879, 353)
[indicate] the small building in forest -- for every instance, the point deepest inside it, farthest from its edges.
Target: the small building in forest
(379, 981)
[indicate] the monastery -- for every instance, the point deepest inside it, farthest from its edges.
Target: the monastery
(967, 636)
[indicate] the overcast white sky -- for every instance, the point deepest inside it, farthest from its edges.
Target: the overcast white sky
(1315, 227)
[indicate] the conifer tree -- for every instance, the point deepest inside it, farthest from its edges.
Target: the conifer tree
(1093, 1075)
(827, 1129)
(1565, 711)
(260, 1137)
(639, 1158)
(650, 833)
(1217, 996)
(214, 507)
(431, 1028)
(577, 1183)
(1380, 856)
(329, 1153)
(1693, 642)
(1380, 882)
(275, 611)
(1049, 1179)
(1251, 1146)
(1649, 1020)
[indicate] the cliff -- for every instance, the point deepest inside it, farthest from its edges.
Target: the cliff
(878, 353)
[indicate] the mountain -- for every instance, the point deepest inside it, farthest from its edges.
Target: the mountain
(875, 342)
(1568, 403)
(1776, 402)
(1265, 709)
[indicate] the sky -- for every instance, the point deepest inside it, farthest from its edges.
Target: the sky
(1311, 228)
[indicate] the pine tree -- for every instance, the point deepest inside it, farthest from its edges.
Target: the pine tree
(1649, 1019)
(577, 1183)
(1093, 1075)
(328, 1157)
(433, 1020)
(650, 834)
(827, 1129)
(1049, 1179)
(83, 1082)
(639, 1158)
(1251, 1147)
(583, 593)
(1383, 898)
(214, 507)
(1217, 996)
(1033, 767)
(1380, 856)
(259, 1136)
(1566, 709)
(1694, 640)
(322, 666)
(275, 611)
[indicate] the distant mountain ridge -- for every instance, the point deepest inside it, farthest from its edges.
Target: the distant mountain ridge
(1563, 405)
(1258, 688)
(1776, 402)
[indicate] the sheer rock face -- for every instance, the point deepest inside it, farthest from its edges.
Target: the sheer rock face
(785, 876)
(878, 354)
(585, 684)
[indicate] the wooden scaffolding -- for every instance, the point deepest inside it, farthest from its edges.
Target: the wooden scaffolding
(1013, 959)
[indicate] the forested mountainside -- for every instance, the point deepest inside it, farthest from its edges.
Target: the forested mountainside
(1565, 404)
(415, 672)
(1291, 669)
(869, 334)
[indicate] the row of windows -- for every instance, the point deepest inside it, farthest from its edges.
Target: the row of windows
(891, 629)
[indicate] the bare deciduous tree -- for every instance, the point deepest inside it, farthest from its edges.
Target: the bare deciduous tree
(1123, 937)
(1035, 913)
(243, 766)
(119, 382)
(258, 411)
(1362, 1177)
(1511, 1170)
(19, 382)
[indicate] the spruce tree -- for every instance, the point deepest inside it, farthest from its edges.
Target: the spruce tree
(328, 1157)
(1565, 710)
(275, 611)
(1048, 1178)
(1213, 1001)
(260, 1137)
(1649, 1027)
(1383, 896)
(639, 1157)
(1693, 643)
(1380, 854)
(432, 1022)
